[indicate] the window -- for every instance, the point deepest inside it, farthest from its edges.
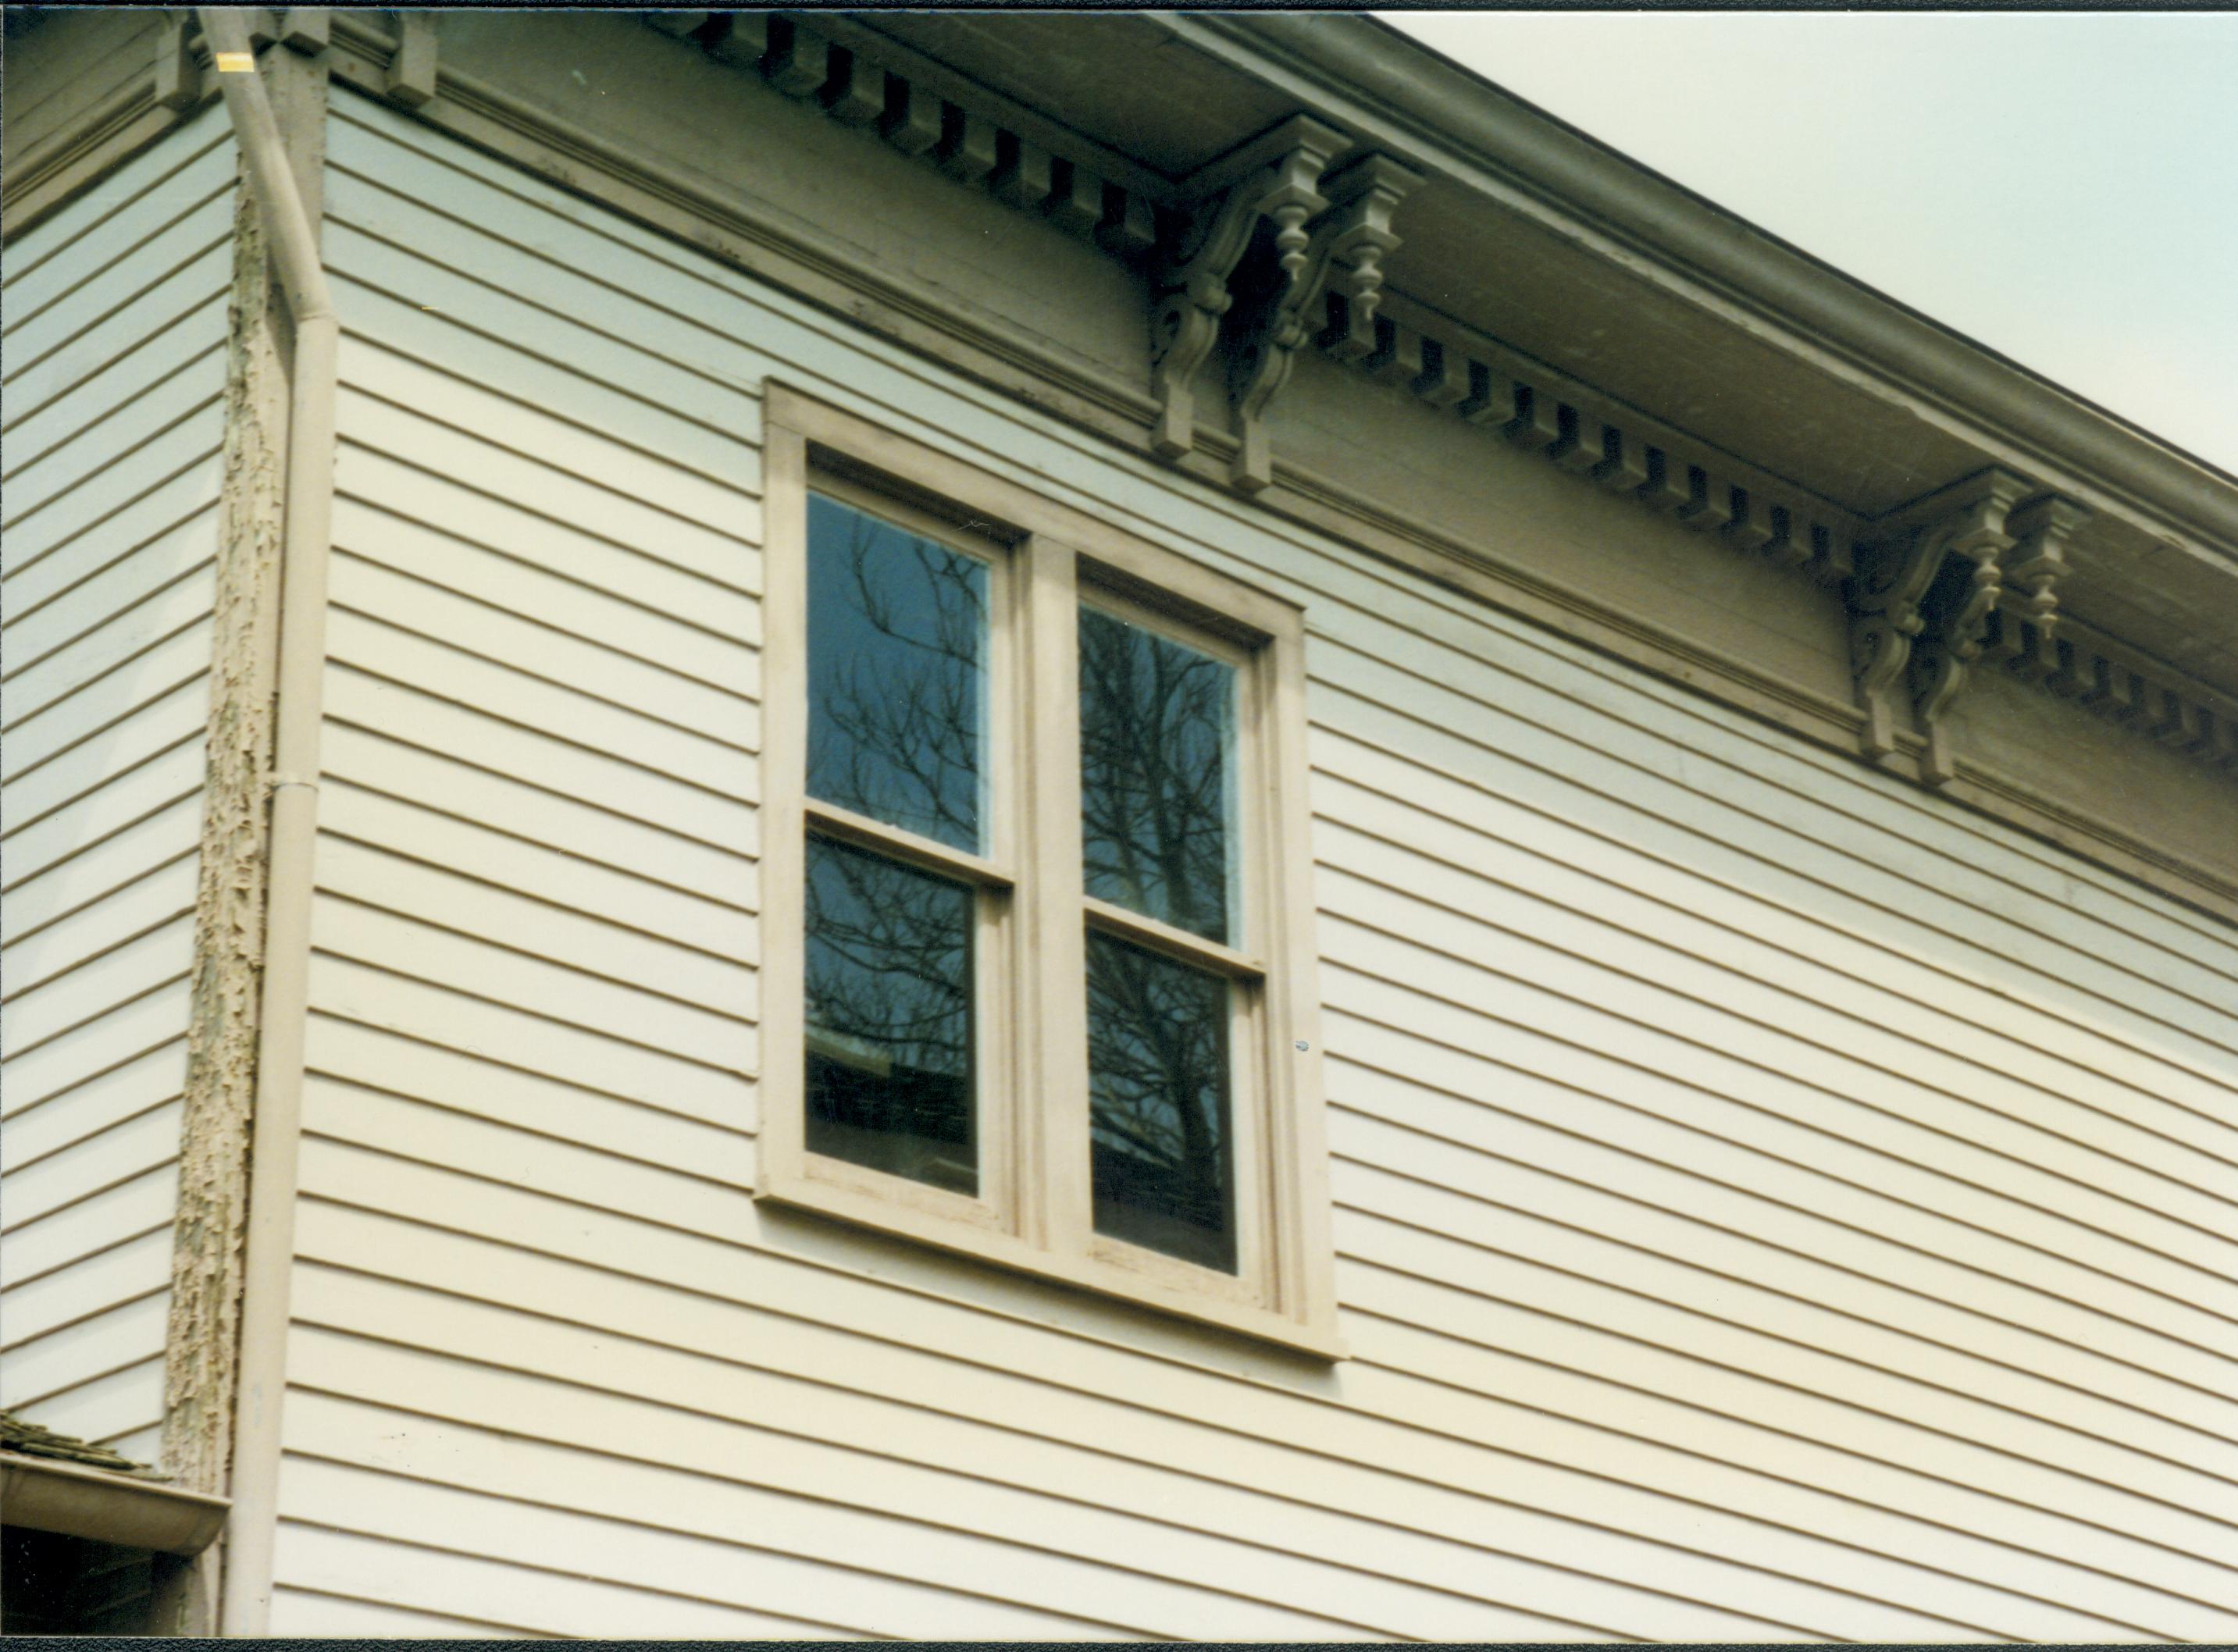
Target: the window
(1037, 956)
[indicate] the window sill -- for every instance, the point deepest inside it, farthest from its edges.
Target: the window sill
(1105, 1278)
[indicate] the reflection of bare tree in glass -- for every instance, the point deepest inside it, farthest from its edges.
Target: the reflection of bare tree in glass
(1157, 1060)
(897, 628)
(896, 649)
(889, 990)
(1155, 718)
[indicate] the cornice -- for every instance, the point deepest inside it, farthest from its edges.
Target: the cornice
(49, 175)
(1599, 438)
(1154, 226)
(1289, 198)
(1396, 94)
(1519, 402)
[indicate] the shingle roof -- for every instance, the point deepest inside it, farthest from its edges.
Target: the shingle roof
(30, 1440)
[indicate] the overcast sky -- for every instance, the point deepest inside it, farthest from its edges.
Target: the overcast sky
(2061, 187)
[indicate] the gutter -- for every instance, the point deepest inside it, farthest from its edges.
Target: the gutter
(1406, 96)
(79, 1501)
(276, 1139)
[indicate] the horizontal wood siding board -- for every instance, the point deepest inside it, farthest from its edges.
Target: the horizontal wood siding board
(121, 1152)
(82, 1352)
(349, 1056)
(185, 446)
(125, 1035)
(440, 504)
(397, 345)
(98, 738)
(172, 526)
(92, 1223)
(131, 632)
(437, 783)
(760, 1488)
(438, 708)
(322, 1614)
(124, 915)
(124, 1273)
(1428, 1462)
(1736, 1374)
(1472, 826)
(121, 1405)
(1601, 1195)
(1235, 1554)
(541, 928)
(2023, 1140)
(523, 425)
(178, 236)
(404, 1558)
(720, 1040)
(634, 1247)
(176, 346)
(1438, 745)
(400, 1575)
(573, 885)
(1570, 737)
(89, 457)
(1871, 1245)
(126, 1090)
(1373, 1514)
(719, 729)
(918, 1428)
(135, 796)
(184, 289)
(400, 999)
(191, 144)
(575, 1175)
(591, 610)
(549, 490)
(111, 426)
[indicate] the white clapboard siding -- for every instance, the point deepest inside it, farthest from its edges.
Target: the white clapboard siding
(114, 317)
(314, 1614)
(1769, 1203)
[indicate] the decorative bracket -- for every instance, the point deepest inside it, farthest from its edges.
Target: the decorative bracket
(1928, 579)
(1273, 177)
(1934, 563)
(1343, 256)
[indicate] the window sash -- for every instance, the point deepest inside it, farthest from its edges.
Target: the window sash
(998, 960)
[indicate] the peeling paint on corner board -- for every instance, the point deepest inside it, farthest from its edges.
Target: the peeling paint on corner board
(204, 1324)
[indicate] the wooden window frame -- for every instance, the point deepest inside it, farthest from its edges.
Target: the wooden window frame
(1033, 1210)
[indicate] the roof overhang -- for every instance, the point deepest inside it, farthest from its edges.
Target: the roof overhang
(1536, 235)
(79, 1501)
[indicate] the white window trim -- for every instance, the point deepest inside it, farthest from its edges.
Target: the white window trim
(1034, 1210)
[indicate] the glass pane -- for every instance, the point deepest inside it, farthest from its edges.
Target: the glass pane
(890, 1072)
(1156, 774)
(1158, 1106)
(896, 657)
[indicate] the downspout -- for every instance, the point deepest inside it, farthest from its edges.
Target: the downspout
(268, 1246)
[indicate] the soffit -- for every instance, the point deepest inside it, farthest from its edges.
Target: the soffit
(1120, 78)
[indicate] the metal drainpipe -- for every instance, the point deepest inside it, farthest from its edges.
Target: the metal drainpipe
(275, 1133)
